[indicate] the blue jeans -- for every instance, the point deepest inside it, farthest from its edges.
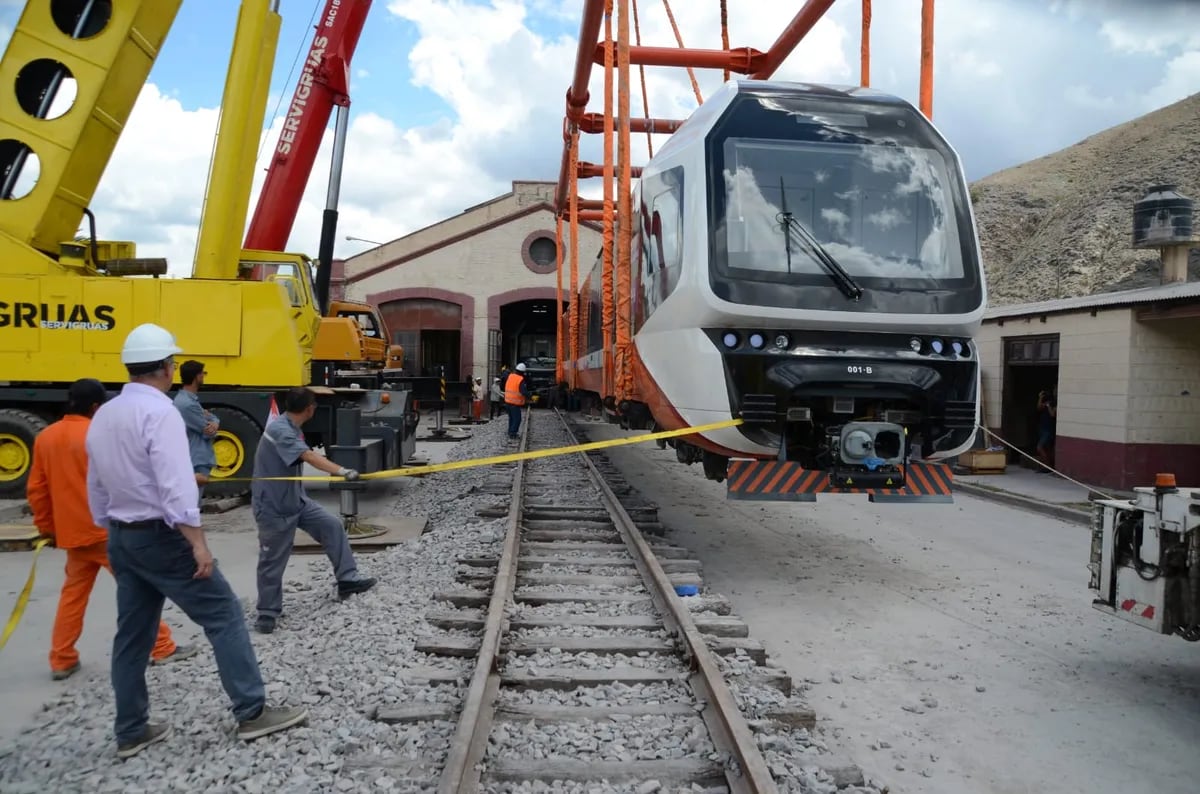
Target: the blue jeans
(514, 420)
(154, 563)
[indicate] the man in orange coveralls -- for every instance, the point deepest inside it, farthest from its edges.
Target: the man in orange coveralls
(57, 493)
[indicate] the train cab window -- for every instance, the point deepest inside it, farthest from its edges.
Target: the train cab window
(881, 212)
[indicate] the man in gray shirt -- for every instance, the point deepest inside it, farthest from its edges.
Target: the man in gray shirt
(202, 426)
(282, 506)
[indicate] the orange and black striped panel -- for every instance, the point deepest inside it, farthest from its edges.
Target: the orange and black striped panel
(776, 480)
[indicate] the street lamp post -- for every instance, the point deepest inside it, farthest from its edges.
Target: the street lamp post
(363, 240)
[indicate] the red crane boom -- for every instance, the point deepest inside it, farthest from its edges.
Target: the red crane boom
(324, 83)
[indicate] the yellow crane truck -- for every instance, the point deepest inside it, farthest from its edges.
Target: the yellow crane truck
(67, 302)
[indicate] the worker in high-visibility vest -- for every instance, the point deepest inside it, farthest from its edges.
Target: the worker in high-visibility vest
(516, 395)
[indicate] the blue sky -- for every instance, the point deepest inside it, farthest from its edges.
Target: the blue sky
(453, 99)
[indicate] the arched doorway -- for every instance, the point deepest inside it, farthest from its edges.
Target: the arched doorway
(430, 331)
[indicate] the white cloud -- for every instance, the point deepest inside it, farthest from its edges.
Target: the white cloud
(1181, 80)
(1004, 69)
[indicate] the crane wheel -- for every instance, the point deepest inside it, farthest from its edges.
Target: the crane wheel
(233, 448)
(17, 430)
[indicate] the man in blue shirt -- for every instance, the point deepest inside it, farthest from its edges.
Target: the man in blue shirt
(281, 507)
(202, 425)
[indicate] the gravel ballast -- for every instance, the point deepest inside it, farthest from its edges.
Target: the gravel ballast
(343, 660)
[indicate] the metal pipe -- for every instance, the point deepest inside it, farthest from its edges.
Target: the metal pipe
(791, 36)
(740, 59)
(330, 217)
(589, 35)
(865, 44)
(577, 94)
(589, 170)
(594, 123)
(927, 58)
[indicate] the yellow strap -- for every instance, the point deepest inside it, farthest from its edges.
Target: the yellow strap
(410, 471)
(23, 599)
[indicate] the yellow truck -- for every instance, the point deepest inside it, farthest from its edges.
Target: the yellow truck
(66, 304)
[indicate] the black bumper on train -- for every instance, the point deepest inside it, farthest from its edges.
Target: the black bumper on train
(784, 384)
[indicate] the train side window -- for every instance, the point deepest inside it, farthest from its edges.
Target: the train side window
(666, 229)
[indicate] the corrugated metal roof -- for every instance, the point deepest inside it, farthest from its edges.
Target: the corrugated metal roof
(1130, 297)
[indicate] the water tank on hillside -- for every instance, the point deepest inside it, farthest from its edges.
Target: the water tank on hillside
(1162, 218)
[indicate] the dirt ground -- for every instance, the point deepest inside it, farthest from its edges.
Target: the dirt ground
(947, 649)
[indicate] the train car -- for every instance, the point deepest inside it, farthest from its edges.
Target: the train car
(805, 259)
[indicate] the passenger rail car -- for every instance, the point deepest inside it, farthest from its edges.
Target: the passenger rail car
(805, 259)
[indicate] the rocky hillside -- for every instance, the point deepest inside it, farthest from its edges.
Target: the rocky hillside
(1061, 225)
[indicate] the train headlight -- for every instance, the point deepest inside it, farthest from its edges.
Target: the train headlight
(757, 340)
(915, 344)
(782, 342)
(936, 346)
(957, 347)
(730, 339)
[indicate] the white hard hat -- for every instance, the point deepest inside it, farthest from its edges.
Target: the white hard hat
(520, 367)
(148, 343)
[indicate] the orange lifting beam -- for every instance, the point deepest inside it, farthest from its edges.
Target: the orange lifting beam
(743, 60)
(597, 45)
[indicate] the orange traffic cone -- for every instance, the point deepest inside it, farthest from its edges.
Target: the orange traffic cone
(273, 413)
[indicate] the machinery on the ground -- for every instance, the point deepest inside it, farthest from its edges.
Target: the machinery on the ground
(352, 344)
(1145, 558)
(67, 304)
(804, 259)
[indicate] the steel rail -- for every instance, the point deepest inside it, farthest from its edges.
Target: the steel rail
(461, 773)
(721, 714)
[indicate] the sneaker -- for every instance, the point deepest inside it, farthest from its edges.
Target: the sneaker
(180, 653)
(153, 732)
(347, 589)
(271, 720)
(265, 624)
(62, 675)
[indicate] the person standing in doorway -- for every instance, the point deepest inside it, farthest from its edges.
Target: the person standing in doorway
(281, 507)
(141, 486)
(477, 399)
(516, 395)
(202, 425)
(57, 494)
(1047, 410)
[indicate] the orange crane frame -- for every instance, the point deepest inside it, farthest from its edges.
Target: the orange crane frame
(618, 55)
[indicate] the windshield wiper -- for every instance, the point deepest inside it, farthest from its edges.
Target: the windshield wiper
(814, 249)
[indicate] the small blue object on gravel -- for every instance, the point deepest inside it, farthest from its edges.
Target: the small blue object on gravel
(687, 590)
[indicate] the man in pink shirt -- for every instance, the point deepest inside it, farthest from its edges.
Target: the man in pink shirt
(142, 489)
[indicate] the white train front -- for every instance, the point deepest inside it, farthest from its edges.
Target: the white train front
(805, 258)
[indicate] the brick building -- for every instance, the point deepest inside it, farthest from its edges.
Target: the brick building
(474, 290)
(1126, 366)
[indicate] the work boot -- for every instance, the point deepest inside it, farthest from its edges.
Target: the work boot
(265, 624)
(271, 720)
(153, 732)
(62, 675)
(180, 653)
(355, 586)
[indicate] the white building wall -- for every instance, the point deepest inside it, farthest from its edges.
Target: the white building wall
(1164, 385)
(481, 266)
(1093, 369)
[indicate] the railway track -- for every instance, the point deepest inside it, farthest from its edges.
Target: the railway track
(574, 664)
(589, 667)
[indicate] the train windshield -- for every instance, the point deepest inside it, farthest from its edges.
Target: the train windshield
(864, 202)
